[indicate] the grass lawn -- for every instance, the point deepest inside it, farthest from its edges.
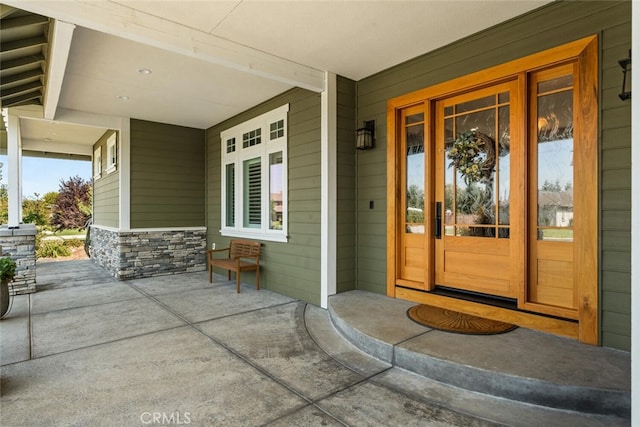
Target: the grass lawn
(72, 232)
(557, 233)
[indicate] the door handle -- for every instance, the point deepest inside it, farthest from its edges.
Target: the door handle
(438, 221)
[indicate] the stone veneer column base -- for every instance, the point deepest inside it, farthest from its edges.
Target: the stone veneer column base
(135, 254)
(19, 244)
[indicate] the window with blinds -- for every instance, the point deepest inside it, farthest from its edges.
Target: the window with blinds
(254, 178)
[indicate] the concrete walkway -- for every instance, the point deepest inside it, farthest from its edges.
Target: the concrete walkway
(86, 349)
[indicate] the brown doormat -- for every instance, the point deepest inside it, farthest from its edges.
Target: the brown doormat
(454, 321)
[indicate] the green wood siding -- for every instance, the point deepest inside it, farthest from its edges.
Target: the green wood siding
(291, 268)
(106, 189)
(547, 27)
(346, 218)
(167, 176)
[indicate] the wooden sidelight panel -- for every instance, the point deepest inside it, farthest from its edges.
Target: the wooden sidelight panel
(412, 210)
(551, 286)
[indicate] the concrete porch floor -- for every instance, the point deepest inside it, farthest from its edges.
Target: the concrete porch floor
(86, 349)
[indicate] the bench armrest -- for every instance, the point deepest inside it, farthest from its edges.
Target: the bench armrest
(210, 252)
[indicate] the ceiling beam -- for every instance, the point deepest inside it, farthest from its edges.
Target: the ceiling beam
(21, 62)
(88, 119)
(27, 75)
(19, 90)
(26, 99)
(24, 21)
(6, 10)
(122, 21)
(57, 147)
(52, 155)
(22, 44)
(61, 36)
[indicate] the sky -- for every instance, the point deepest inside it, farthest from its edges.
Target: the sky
(40, 175)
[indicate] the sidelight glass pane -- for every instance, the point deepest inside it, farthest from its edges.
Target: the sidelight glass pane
(230, 207)
(252, 193)
(414, 218)
(276, 176)
(564, 82)
(414, 118)
(555, 162)
(476, 104)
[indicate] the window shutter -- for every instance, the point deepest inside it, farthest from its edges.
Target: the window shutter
(253, 193)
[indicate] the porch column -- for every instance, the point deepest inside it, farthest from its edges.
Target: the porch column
(14, 170)
(635, 217)
(328, 188)
(124, 221)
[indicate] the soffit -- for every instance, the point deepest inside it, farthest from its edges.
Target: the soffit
(23, 53)
(350, 38)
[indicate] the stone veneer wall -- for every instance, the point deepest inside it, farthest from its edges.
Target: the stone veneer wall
(20, 245)
(135, 254)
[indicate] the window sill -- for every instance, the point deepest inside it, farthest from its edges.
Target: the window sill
(111, 169)
(257, 235)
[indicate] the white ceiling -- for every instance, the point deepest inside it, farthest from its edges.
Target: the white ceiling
(210, 60)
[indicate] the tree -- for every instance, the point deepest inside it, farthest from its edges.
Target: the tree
(34, 211)
(415, 205)
(37, 210)
(71, 207)
(551, 186)
(4, 199)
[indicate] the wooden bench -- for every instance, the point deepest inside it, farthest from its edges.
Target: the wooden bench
(242, 255)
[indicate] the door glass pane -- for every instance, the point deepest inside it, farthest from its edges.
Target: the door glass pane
(449, 208)
(414, 218)
(477, 170)
(504, 169)
(276, 174)
(555, 162)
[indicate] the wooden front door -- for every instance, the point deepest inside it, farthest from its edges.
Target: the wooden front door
(477, 147)
(493, 190)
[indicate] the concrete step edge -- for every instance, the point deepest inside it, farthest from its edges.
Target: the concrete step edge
(521, 389)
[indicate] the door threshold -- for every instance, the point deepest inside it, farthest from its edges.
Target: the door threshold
(485, 299)
(490, 310)
(493, 300)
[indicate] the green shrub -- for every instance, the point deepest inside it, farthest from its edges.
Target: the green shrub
(7, 269)
(52, 249)
(74, 243)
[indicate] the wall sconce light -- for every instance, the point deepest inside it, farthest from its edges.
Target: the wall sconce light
(365, 135)
(626, 83)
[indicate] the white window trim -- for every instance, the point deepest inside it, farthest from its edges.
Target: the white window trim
(262, 150)
(112, 161)
(97, 162)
